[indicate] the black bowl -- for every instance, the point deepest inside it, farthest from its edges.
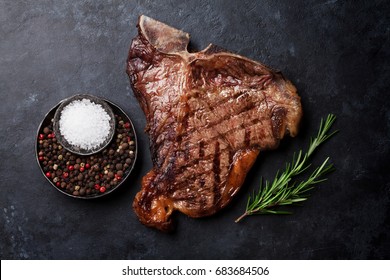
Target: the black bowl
(48, 122)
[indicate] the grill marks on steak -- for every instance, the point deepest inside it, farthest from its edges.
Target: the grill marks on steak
(208, 115)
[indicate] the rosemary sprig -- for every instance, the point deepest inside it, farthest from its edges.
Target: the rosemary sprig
(281, 191)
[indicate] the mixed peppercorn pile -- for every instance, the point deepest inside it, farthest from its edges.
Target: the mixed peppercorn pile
(87, 176)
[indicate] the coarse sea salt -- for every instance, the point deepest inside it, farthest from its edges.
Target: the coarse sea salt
(84, 124)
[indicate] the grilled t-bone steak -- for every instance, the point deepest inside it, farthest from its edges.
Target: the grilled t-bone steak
(209, 114)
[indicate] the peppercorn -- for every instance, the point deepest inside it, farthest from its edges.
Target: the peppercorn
(82, 191)
(125, 146)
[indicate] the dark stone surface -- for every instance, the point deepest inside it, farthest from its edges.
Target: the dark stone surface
(337, 54)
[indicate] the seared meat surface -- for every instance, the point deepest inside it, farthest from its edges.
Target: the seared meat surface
(209, 114)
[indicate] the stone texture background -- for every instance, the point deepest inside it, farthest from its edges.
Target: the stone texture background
(337, 54)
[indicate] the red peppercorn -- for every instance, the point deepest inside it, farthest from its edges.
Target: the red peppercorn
(97, 186)
(41, 136)
(87, 166)
(65, 174)
(127, 125)
(81, 169)
(71, 167)
(118, 177)
(58, 184)
(102, 189)
(41, 158)
(48, 174)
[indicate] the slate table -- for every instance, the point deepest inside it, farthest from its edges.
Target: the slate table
(337, 54)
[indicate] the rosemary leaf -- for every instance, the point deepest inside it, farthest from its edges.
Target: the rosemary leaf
(281, 191)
